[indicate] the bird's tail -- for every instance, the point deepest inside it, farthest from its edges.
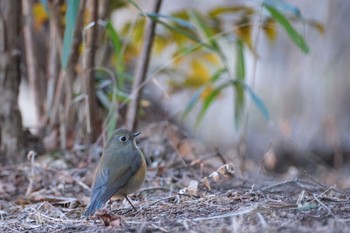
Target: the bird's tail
(95, 205)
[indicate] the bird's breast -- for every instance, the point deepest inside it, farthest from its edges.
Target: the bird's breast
(135, 181)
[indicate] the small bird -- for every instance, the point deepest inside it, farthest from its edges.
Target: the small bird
(120, 171)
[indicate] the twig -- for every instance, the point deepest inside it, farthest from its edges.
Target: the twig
(31, 156)
(262, 219)
(141, 70)
(300, 198)
(156, 188)
(79, 182)
(324, 205)
(300, 183)
(63, 128)
(41, 215)
(208, 157)
(160, 228)
(244, 211)
(13, 230)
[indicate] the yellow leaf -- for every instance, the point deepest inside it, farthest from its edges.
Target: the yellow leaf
(40, 16)
(212, 58)
(138, 30)
(243, 31)
(160, 43)
(179, 39)
(207, 91)
(233, 9)
(131, 52)
(175, 86)
(198, 76)
(183, 14)
(178, 58)
(317, 25)
(270, 28)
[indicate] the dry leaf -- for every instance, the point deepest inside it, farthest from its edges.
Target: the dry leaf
(109, 219)
(191, 190)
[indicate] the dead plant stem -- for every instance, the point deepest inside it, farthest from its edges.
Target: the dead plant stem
(141, 70)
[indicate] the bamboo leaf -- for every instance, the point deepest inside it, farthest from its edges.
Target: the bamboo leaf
(40, 13)
(240, 64)
(111, 124)
(183, 32)
(45, 5)
(259, 103)
(209, 100)
(269, 28)
(230, 9)
(284, 22)
(239, 103)
(284, 7)
(71, 18)
(135, 5)
(204, 28)
(244, 31)
(198, 74)
(179, 21)
(117, 45)
(238, 88)
(193, 101)
(217, 74)
(313, 23)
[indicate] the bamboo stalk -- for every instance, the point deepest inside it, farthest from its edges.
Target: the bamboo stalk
(141, 71)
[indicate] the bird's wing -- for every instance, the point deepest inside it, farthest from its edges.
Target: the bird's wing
(109, 180)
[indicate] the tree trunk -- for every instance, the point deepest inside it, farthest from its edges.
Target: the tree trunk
(11, 132)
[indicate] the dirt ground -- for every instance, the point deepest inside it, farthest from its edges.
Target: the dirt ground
(183, 192)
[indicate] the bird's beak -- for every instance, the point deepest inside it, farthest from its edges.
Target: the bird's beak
(134, 135)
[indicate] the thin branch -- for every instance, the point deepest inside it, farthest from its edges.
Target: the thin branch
(88, 65)
(141, 70)
(31, 156)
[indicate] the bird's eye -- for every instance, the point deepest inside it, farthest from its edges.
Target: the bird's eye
(122, 138)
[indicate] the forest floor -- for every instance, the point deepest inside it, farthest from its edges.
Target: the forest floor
(186, 193)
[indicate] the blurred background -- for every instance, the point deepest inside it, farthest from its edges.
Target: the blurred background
(263, 81)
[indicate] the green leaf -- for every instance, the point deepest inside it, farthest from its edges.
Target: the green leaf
(209, 100)
(259, 103)
(237, 86)
(283, 6)
(207, 32)
(240, 64)
(135, 5)
(111, 125)
(181, 22)
(239, 102)
(217, 74)
(283, 21)
(71, 18)
(117, 45)
(189, 34)
(193, 101)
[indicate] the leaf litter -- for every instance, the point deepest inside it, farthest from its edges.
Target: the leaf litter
(186, 189)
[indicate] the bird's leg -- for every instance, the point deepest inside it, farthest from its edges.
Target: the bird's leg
(130, 202)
